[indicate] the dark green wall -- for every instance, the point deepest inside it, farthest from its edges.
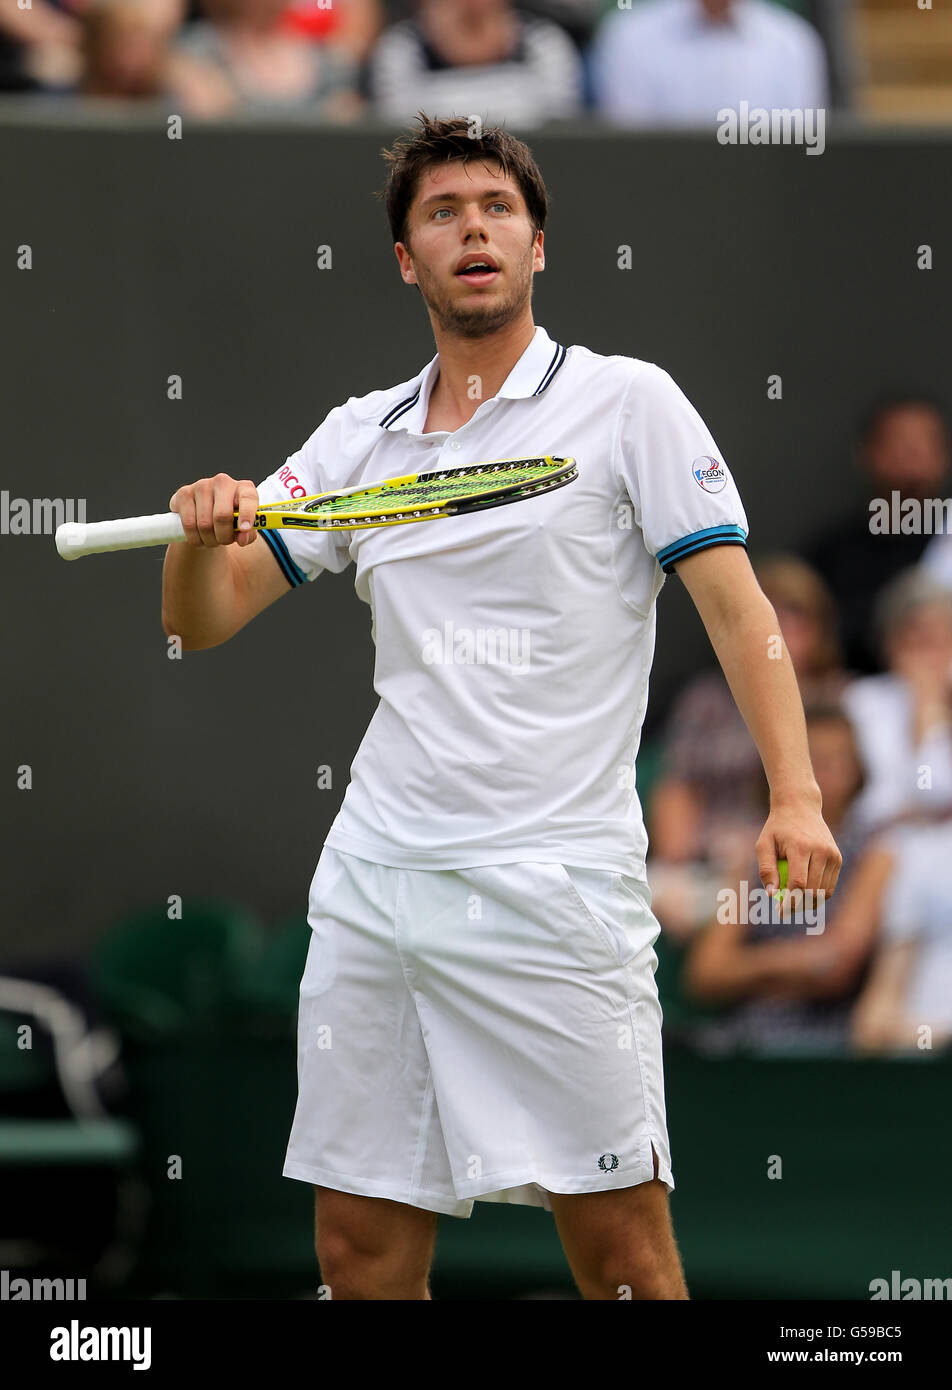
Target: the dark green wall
(198, 257)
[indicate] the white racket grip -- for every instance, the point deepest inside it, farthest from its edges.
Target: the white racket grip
(75, 538)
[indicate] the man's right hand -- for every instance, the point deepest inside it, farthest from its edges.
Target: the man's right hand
(207, 509)
(206, 600)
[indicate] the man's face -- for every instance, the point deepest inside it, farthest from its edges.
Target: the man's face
(466, 212)
(716, 9)
(908, 452)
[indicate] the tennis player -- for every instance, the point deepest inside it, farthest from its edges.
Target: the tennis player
(479, 1018)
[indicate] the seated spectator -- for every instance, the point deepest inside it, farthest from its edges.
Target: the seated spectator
(902, 446)
(39, 47)
(710, 802)
(126, 48)
(906, 1003)
(242, 58)
(794, 975)
(577, 17)
(106, 48)
(352, 25)
(476, 57)
(671, 61)
(903, 718)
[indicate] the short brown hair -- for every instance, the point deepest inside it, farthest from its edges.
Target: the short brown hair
(438, 142)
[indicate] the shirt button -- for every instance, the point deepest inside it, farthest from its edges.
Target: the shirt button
(454, 444)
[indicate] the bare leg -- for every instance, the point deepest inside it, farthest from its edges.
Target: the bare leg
(621, 1244)
(372, 1248)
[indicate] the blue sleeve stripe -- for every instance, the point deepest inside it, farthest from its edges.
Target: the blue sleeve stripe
(289, 569)
(700, 540)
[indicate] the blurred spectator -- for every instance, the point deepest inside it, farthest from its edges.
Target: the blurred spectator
(476, 57)
(126, 47)
(902, 447)
(577, 17)
(670, 61)
(39, 47)
(711, 800)
(243, 58)
(352, 25)
(903, 718)
(794, 976)
(906, 1004)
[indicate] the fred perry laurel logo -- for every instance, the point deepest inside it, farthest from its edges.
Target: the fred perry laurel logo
(608, 1163)
(709, 474)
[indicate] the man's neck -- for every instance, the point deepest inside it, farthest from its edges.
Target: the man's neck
(473, 370)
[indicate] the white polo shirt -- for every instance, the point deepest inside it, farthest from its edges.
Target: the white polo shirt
(513, 647)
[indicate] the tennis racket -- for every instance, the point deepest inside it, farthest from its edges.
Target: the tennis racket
(393, 502)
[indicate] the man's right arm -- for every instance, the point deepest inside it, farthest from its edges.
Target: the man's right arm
(219, 578)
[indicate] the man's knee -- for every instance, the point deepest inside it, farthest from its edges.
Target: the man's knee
(372, 1248)
(349, 1271)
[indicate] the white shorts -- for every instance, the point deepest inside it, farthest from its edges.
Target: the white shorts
(490, 1033)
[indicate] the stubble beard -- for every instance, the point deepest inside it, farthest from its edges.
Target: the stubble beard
(477, 319)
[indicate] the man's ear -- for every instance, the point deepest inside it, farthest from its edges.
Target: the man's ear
(404, 259)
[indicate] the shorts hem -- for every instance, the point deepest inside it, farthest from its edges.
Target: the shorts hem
(479, 1188)
(369, 1187)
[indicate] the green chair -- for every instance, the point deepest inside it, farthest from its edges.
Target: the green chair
(153, 976)
(207, 1009)
(271, 990)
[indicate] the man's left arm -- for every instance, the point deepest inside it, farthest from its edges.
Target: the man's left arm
(747, 641)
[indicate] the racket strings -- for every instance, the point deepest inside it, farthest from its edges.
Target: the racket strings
(354, 520)
(437, 489)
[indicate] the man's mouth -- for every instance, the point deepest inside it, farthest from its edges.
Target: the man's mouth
(478, 272)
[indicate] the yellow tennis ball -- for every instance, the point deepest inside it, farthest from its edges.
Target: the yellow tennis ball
(782, 868)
